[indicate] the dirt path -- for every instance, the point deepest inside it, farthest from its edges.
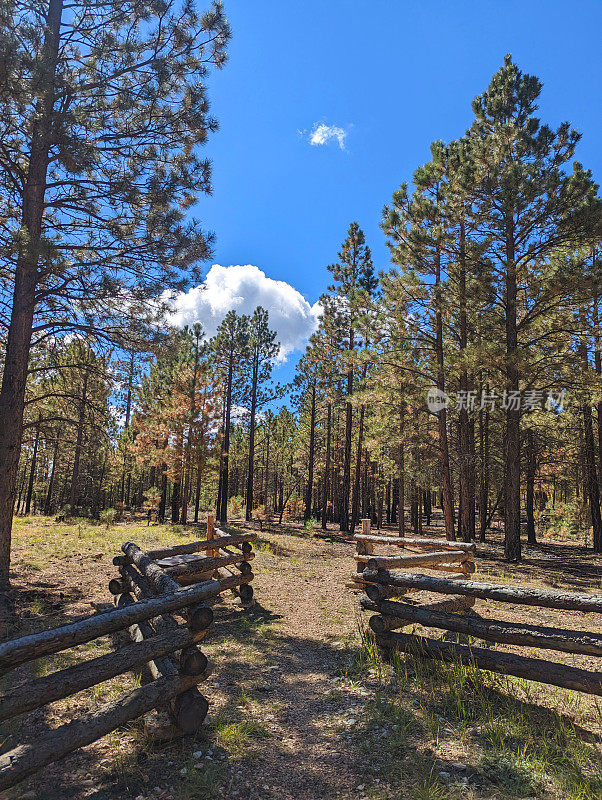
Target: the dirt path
(300, 630)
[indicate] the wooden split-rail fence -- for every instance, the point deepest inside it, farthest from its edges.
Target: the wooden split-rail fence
(399, 589)
(151, 590)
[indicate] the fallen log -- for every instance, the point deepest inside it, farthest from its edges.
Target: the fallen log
(73, 679)
(569, 601)
(533, 669)
(374, 563)
(36, 645)
(492, 630)
(402, 541)
(209, 544)
(24, 760)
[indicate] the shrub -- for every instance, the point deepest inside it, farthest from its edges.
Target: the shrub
(107, 517)
(235, 506)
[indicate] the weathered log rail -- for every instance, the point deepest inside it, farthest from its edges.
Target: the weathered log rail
(455, 559)
(151, 590)
(387, 592)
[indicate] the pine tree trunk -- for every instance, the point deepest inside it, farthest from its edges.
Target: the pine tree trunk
(530, 487)
(18, 342)
(597, 365)
(346, 488)
(358, 472)
(593, 489)
(446, 486)
(163, 500)
(484, 488)
(176, 491)
(464, 445)
(78, 444)
(401, 500)
(32, 471)
(326, 481)
(199, 478)
(312, 436)
(251, 459)
(225, 455)
(55, 456)
(512, 544)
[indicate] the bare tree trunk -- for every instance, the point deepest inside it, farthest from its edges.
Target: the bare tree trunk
(32, 471)
(484, 448)
(530, 486)
(512, 545)
(251, 459)
(446, 486)
(464, 443)
(78, 443)
(326, 481)
(312, 437)
(55, 456)
(401, 500)
(222, 514)
(355, 511)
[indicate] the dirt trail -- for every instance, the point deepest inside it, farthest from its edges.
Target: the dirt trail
(301, 627)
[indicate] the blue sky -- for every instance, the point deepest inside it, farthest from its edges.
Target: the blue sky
(394, 76)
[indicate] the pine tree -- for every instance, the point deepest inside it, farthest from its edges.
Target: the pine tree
(354, 280)
(230, 346)
(263, 348)
(94, 188)
(529, 207)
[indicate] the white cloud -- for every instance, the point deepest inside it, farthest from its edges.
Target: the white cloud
(243, 288)
(323, 134)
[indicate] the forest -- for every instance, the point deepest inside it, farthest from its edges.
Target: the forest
(492, 298)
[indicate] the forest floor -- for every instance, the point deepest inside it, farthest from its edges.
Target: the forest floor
(301, 705)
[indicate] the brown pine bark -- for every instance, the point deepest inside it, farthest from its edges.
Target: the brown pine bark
(73, 497)
(55, 456)
(401, 470)
(326, 480)
(530, 487)
(512, 544)
(446, 485)
(355, 510)
(251, 457)
(14, 377)
(346, 489)
(32, 470)
(312, 437)
(222, 511)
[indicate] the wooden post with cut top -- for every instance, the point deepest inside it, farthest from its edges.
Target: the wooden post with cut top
(364, 548)
(211, 533)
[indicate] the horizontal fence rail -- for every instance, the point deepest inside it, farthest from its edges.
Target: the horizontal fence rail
(398, 597)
